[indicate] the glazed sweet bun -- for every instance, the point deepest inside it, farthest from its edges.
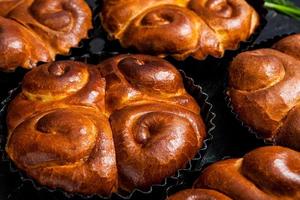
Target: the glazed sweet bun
(266, 173)
(264, 87)
(37, 30)
(126, 123)
(180, 28)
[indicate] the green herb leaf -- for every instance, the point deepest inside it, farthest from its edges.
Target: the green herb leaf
(281, 2)
(284, 6)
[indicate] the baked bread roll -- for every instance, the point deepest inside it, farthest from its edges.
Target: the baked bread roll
(135, 78)
(266, 173)
(37, 30)
(264, 87)
(180, 27)
(126, 123)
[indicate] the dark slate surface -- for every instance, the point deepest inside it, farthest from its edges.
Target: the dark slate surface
(230, 139)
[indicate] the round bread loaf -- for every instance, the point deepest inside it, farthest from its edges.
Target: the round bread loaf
(266, 173)
(124, 124)
(180, 27)
(264, 87)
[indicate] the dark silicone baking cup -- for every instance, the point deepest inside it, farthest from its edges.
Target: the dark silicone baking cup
(264, 44)
(99, 43)
(155, 190)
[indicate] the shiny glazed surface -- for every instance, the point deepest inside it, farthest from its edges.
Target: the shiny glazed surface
(126, 123)
(264, 86)
(266, 173)
(180, 27)
(37, 30)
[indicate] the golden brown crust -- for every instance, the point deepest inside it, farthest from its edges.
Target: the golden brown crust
(71, 148)
(40, 29)
(164, 135)
(264, 87)
(289, 45)
(265, 173)
(7, 5)
(118, 13)
(62, 104)
(19, 47)
(74, 126)
(198, 194)
(54, 85)
(232, 20)
(160, 30)
(288, 133)
(138, 78)
(180, 27)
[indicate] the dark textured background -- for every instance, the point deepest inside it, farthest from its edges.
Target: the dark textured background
(230, 138)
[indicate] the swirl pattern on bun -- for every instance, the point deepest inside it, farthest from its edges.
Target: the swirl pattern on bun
(264, 87)
(180, 27)
(271, 172)
(123, 124)
(37, 30)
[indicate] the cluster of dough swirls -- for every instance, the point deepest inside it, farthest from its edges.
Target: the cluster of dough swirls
(265, 173)
(264, 87)
(37, 30)
(126, 123)
(180, 27)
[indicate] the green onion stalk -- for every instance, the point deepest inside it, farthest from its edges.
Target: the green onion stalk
(286, 7)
